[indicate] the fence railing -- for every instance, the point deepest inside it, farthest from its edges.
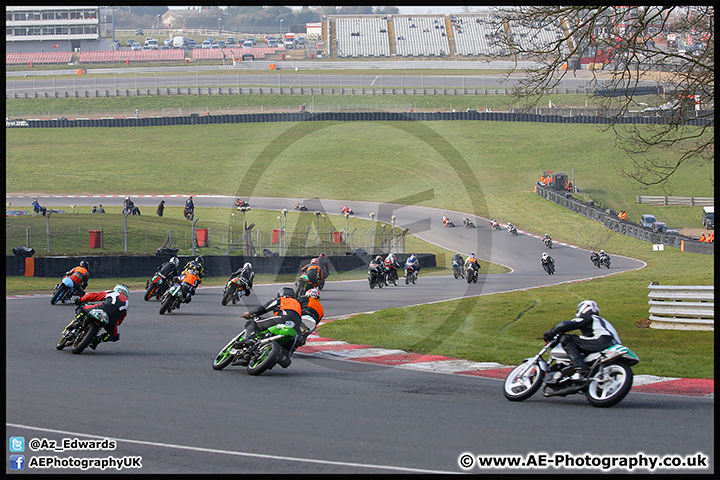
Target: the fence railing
(63, 234)
(626, 227)
(682, 307)
(669, 200)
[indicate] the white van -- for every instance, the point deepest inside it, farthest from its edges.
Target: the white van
(708, 217)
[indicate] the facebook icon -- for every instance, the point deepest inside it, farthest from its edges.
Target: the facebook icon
(17, 462)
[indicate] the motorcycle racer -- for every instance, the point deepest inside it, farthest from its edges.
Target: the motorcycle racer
(115, 303)
(597, 334)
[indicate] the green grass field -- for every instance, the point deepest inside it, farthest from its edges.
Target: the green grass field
(485, 168)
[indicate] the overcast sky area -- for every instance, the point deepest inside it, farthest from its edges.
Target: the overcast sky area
(417, 10)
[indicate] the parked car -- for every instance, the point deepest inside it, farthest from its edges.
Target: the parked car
(272, 43)
(672, 232)
(211, 40)
(252, 39)
(136, 46)
(168, 42)
(164, 47)
(300, 41)
(16, 213)
(660, 227)
(230, 41)
(130, 42)
(647, 220)
(206, 44)
(221, 44)
(248, 44)
(147, 47)
(215, 45)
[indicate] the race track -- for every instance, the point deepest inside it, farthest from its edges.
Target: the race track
(155, 393)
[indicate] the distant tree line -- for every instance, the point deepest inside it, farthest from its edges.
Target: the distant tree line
(237, 17)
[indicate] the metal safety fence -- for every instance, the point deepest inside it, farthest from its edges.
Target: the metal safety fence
(68, 234)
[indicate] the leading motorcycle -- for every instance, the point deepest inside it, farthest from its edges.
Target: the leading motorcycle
(239, 203)
(275, 346)
(607, 382)
(595, 259)
(301, 207)
(344, 209)
(63, 291)
(233, 288)
(512, 229)
(80, 334)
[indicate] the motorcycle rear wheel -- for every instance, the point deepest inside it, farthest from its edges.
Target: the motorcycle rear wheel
(266, 357)
(229, 292)
(517, 389)
(223, 358)
(82, 341)
(614, 384)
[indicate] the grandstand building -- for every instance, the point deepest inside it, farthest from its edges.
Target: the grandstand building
(58, 29)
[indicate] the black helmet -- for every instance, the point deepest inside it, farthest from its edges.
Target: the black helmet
(200, 260)
(286, 292)
(84, 264)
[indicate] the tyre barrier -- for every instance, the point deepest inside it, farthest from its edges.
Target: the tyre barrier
(304, 116)
(106, 266)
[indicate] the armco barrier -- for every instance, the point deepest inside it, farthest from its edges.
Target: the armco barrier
(682, 307)
(613, 222)
(103, 266)
(354, 117)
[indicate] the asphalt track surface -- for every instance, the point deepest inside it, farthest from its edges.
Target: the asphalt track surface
(155, 393)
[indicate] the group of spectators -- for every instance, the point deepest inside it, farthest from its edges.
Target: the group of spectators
(709, 238)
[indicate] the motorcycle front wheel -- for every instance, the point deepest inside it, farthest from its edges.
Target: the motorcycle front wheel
(229, 292)
(223, 358)
(82, 341)
(610, 385)
(165, 307)
(518, 388)
(266, 357)
(149, 291)
(58, 294)
(63, 340)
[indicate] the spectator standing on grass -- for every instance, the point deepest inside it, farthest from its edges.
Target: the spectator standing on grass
(161, 208)
(100, 208)
(137, 113)
(94, 210)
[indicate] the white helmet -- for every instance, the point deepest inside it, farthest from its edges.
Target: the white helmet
(391, 257)
(175, 261)
(122, 288)
(544, 255)
(602, 252)
(412, 258)
(248, 265)
(587, 306)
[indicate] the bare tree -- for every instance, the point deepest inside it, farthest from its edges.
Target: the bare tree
(621, 41)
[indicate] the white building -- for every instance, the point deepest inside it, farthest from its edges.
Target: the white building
(58, 29)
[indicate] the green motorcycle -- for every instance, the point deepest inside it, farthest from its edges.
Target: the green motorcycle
(275, 345)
